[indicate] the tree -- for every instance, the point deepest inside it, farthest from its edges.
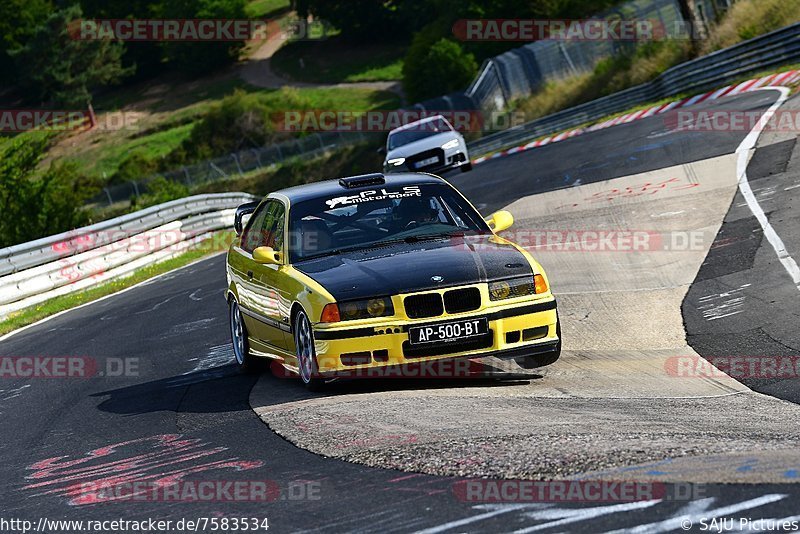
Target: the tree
(201, 57)
(691, 14)
(145, 55)
(59, 68)
(18, 20)
(362, 20)
(35, 207)
(438, 69)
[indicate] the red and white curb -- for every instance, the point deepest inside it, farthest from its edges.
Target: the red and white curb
(783, 78)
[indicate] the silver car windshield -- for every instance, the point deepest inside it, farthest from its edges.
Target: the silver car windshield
(417, 132)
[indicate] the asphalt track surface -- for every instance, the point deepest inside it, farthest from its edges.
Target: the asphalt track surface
(184, 385)
(742, 302)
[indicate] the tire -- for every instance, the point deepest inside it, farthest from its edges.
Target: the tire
(241, 346)
(466, 167)
(306, 354)
(546, 358)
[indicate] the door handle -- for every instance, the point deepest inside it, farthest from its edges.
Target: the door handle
(250, 274)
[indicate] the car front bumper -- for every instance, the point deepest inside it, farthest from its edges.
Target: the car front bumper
(450, 160)
(524, 330)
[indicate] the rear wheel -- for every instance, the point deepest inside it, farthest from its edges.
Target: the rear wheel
(306, 354)
(241, 346)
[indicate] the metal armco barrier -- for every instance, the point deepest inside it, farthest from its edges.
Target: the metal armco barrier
(781, 47)
(33, 272)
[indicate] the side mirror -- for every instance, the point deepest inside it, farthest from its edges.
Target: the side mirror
(266, 256)
(241, 212)
(500, 220)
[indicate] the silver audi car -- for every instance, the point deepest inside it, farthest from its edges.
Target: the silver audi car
(430, 144)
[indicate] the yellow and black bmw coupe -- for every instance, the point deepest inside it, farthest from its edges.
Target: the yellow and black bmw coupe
(373, 272)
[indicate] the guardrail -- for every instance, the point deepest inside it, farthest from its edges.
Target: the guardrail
(36, 271)
(780, 47)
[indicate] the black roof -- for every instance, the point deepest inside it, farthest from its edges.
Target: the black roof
(331, 188)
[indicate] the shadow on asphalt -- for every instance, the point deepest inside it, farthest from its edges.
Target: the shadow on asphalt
(227, 389)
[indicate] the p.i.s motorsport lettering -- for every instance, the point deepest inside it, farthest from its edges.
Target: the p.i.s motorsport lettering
(375, 194)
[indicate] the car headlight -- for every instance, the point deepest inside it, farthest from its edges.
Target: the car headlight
(450, 144)
(517, 287)
(366, 309)
(396, 162)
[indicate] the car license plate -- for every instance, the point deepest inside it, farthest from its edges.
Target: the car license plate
(448, 332)
(426, 162)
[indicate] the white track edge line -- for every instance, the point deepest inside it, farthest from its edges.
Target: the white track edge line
(743, 151)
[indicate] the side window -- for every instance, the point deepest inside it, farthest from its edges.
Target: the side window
(272, 230)
(252, 234)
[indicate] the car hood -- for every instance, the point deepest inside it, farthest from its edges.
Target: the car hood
(434, 141)
(411, 267)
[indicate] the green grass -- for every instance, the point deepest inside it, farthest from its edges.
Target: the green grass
(58, 304)
(266, 8)
(107, 160)
(338, 98)
(169, 94)
(335, 61)
(159, 132)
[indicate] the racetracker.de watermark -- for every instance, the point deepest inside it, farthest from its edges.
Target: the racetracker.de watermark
(598, 240)
(189, 491)
(64, 120)
(15, 367)
(338, 120)
(195, 30)
(453, 368)
(720, 120)
(583, 491)
(739, 367)
(528, 30)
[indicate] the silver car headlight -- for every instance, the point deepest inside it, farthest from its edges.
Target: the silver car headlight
(450, 144)
(396, 162)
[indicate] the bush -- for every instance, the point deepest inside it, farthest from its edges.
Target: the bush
(159, 190)
(611, 74)
(750, 18)
(134, 167)
(238, 122)
(432, 70)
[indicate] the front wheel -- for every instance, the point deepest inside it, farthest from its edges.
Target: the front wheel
(466, 167)
(306, 354)
(241, 346)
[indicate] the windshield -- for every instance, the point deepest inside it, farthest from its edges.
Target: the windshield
(417, 132)
(325, 226)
